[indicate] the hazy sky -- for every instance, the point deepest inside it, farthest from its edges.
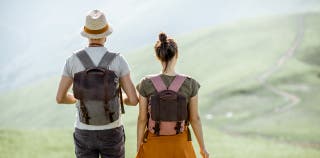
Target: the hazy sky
(37, 35)
(136, 22)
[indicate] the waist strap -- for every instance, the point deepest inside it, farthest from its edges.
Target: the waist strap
(147, 132)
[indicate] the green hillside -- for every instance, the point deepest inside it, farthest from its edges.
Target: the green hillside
(241, 116)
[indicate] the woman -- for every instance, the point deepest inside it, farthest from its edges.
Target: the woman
(153, 145)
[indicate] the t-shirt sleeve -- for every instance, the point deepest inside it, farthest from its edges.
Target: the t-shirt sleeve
(195, 86)
(123, 66)
(141, 87)
(67, 69)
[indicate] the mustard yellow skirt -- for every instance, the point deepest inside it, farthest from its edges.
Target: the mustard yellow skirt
(176, 146)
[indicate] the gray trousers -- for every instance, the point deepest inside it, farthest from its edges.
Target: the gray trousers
(106, 143)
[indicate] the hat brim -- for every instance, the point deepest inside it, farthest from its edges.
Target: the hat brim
(97, 36)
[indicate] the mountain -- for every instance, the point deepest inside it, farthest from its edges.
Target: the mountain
(259, 81)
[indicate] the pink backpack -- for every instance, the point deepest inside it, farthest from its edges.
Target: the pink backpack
(167, 109)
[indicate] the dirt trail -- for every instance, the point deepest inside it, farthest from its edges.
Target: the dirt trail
(293, 99)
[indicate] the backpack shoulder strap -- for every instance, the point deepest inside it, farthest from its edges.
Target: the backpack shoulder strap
(177, 83)
(158, 83)
(107, 58)
(85, 59)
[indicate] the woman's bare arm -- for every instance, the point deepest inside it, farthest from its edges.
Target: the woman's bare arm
(131, 97)
(63, 97)
(196, 125)
(142, 120)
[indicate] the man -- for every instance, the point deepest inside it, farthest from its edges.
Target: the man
(96, 75)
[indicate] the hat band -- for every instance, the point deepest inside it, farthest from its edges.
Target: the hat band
(100, 31)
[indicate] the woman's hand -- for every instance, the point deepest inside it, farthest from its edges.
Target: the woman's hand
(204, 153)
(142, 120)
(138, 147)
(196, 125)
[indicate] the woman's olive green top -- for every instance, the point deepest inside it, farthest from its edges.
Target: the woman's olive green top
(189, 88)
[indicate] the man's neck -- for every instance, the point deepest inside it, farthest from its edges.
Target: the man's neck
(96, 45)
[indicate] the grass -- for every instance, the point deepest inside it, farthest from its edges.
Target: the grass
(58, 143)
(36, 143)
(34, 106)
(227, 61)
(254, 110)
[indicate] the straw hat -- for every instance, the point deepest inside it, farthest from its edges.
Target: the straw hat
(96, 25)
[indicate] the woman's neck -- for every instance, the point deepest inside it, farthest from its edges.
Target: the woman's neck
(169, 71)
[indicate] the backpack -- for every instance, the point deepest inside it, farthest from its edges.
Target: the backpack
(97, 83)
(167, 109)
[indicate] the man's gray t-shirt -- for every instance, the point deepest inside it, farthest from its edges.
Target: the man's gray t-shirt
(73, 65)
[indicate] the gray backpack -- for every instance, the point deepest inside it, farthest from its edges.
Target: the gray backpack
(97, 83)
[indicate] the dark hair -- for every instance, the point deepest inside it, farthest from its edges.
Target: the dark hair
(165, 48)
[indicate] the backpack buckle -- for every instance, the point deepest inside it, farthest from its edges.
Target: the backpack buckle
(156, 128)
(178, 127)
(116, 80)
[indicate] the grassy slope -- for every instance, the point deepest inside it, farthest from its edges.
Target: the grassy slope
(231, 58)
(58, 144)
(299, 76)
(34, 106)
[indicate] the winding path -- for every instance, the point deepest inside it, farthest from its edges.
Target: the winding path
(294, 100)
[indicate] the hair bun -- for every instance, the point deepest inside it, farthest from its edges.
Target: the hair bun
(162, 37)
